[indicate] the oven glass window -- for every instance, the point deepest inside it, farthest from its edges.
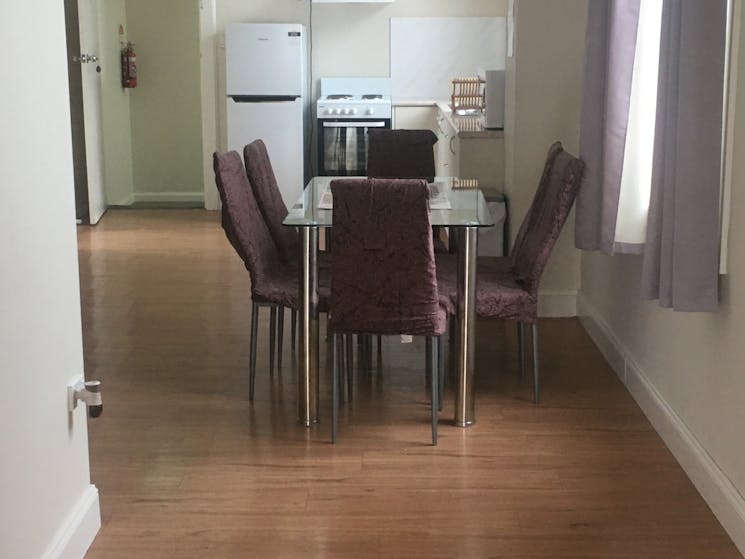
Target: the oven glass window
(345, 150)
(343, 146)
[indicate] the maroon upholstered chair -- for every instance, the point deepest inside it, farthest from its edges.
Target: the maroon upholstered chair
(401, 154)
(508, 287)
(273, 282)
(383, 276)
(274, 211)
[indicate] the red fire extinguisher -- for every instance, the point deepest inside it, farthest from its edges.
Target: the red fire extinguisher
(129, 66)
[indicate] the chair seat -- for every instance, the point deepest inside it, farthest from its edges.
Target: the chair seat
(499, 294)
(282, 289)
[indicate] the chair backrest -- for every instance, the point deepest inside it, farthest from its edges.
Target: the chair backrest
(560, 181)
(402, 154)
(261, 176)
(383, 276)
(242, 220)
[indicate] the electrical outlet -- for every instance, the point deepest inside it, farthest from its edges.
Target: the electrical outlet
(75, 384)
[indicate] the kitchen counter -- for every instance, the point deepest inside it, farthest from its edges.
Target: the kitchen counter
(468, 127)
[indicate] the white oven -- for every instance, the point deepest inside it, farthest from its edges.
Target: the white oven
(347, 109)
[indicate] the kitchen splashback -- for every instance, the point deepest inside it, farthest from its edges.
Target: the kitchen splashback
(428, 52)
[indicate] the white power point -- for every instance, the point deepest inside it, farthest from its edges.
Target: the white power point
(73, 386)
(87, 391)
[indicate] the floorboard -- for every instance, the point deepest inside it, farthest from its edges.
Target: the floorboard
(187, 467)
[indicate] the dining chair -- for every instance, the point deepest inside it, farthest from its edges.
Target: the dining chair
(402, 154)
(383, 275)
(273, 282)
(273, 209)
(507, 287)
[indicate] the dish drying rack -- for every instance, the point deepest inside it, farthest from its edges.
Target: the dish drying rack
(468, 95)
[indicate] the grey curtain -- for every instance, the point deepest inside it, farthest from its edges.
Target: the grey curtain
(610, 44)
(680, 266)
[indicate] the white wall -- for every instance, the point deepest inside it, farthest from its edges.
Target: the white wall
(166, 105)
(117, 129)
(44, 475)
(543, 101)
(685, 369)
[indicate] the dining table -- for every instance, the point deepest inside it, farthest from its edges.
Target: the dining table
(454, 204)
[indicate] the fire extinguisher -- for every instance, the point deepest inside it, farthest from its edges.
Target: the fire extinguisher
(129, 66)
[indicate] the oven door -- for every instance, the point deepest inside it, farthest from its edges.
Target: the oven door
(342, 145)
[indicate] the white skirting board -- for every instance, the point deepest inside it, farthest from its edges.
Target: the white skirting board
(166, 197)
(77, 533)
(725, 501)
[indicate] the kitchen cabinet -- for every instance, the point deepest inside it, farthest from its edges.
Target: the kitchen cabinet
(415, 117)
(352, 1)
(447, 148)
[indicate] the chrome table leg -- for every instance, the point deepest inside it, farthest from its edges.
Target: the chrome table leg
(309, 361)
(466, 323)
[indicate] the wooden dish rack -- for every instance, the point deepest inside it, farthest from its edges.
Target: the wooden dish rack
(468, 94)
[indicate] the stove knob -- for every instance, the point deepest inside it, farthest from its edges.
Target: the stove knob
(347, 111)
(352, 111)
(329, 111)
(335, 111)
(370, 111)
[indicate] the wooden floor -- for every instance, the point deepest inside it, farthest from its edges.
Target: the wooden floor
(187, 467)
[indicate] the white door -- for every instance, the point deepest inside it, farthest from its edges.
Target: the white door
(91, 72)
(280, 126)
(48, 507)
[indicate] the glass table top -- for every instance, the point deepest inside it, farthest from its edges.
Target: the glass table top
(450, 206)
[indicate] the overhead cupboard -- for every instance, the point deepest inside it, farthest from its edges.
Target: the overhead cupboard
(352, 1)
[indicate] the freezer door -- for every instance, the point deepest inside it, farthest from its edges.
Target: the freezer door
(264, 59)
(280, 125)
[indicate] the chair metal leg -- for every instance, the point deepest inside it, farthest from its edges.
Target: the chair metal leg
(252, 357)
(440, 370)
(380, 347)
(428, 359)
(521, 347)
(433, 341)
(272, 333)
(280, 334)
(293, 325)
(334, 388)
(535, 363)
(350, 365)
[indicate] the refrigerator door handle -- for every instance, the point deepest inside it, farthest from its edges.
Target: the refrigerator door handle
(264, 98)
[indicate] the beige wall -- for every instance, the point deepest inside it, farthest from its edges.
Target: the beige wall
(544, 94)
(117, 130)
(166, 105)
(694, 361)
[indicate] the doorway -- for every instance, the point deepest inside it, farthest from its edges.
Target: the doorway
(77, 125)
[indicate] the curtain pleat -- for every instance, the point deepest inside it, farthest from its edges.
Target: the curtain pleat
(610, 45)
(681, 255)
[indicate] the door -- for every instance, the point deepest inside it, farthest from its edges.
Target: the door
(88, 59)
(48, 508)
(280, 125)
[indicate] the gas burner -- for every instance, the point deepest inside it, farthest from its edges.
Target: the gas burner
(335, 96)
(372, 96)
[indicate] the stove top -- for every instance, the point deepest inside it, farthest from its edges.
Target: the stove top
(350, 98)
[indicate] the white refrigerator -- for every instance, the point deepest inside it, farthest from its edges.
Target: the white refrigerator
(265, 66)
